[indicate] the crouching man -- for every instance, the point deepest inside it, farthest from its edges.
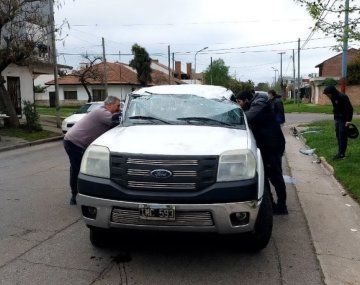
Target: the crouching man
(84, 132)
(270, 140)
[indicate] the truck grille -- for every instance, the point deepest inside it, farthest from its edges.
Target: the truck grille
(187, 173)
(131, 217)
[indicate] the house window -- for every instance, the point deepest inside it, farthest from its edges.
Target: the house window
(70, 95)
(99, 95)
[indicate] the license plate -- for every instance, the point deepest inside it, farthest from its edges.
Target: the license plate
(157, 212)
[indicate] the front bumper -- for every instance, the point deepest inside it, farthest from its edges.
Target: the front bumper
(219, 214)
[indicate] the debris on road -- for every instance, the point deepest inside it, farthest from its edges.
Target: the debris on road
(289, 180)
(307, 151)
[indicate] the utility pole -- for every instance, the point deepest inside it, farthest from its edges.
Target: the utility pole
(294, 74)
(281, 75)
(54, 60)
(121, 89)
(211, 77)
(299, 82)
(275, 70)
(105, 67)
(345, 48)
(173, 64)
(195, 62)
(169, 64)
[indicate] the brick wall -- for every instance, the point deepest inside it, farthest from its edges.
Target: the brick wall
(332, 66)
(352, 91)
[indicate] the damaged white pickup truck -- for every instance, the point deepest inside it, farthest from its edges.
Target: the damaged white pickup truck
(182, 159)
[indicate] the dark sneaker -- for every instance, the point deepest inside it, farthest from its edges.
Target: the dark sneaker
(280, 210)
(73, 200)
(339, 156)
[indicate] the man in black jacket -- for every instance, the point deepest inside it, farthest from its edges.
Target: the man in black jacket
(277, 106)
(343, 113)
(269, 139)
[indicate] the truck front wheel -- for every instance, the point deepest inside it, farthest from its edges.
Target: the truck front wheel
(259, 238)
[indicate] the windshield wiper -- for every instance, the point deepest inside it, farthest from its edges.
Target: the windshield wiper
(149, 118)
(204, 119)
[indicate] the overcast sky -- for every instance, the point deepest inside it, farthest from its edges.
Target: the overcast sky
(226, 27)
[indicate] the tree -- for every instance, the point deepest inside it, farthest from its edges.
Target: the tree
(238, 86)
(329, 17)
(277, 86)
(88, 73)
(217, 74)
(353, 72)
(263, 86)
(23, 31)
(141, 63)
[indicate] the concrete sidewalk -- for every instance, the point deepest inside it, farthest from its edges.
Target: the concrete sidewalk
(9, 143)
(333, 219)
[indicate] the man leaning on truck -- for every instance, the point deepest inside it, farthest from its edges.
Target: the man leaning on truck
(84, 132)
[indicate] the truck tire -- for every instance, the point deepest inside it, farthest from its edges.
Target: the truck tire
(99, 237)
(259, 238)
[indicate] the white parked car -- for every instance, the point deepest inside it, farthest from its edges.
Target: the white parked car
(182, 159)
(79, 114)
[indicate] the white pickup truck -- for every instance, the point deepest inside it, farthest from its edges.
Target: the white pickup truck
(182, 159)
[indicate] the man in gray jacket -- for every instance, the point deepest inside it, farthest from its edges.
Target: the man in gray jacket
(84, 132)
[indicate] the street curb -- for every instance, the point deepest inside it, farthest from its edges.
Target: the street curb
(327, 166)
(27, 144)
(322, 159)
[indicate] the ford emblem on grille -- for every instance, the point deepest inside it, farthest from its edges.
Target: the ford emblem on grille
(161, 173)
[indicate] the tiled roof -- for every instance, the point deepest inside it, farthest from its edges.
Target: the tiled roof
(118, 73)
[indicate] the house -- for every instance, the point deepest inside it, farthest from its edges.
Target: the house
(331, 68)
(19, 79)
(121, 80)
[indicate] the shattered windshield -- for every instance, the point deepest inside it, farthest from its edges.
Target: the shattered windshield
(182, 110)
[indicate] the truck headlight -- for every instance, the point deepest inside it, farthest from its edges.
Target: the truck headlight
(96, 161)
(236, 165)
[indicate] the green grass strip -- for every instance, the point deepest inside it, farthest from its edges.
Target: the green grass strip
(347, 171)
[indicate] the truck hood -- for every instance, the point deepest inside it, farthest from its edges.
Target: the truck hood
(173, 140)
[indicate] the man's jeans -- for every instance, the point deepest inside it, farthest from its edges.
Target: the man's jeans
(341, 136)
(75, 154)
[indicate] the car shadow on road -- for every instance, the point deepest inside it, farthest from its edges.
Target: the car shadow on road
(177, 243)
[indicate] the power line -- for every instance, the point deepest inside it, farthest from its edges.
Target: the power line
(290, 58)
(163, 54)
(210, 50)
(250, 46)
(198, 23)
(315, 26)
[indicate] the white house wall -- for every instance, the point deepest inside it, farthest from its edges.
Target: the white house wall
(119, 91)
(26, 80)
(40, 80)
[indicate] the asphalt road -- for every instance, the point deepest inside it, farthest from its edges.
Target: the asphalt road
(44, 241)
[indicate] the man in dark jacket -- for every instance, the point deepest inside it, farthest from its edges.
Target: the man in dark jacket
(277, 106)
(269, 139)
(343, 113)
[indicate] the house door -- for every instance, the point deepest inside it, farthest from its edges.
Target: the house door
(52, 100)
(13, 87)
